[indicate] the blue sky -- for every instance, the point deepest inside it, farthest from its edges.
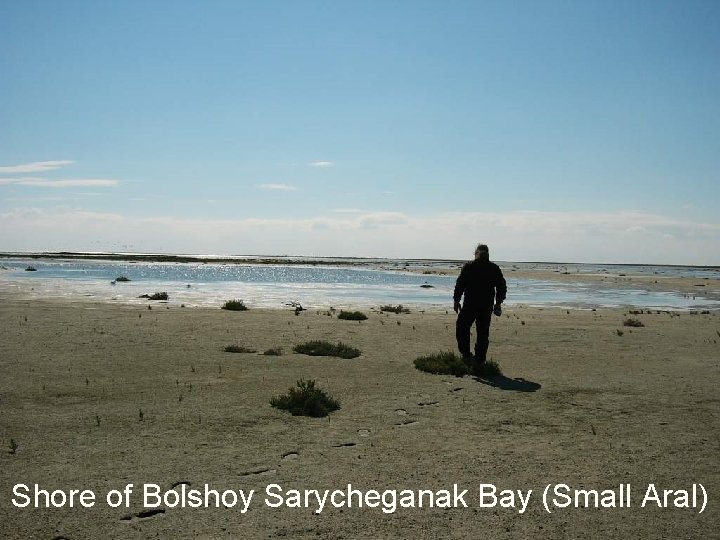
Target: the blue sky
(578, 131)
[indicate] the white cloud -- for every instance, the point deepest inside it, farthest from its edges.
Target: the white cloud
(277, 187)
(41, 182)
(512, 236)
(347, 210)
(378, 219)
(321, 164)
(35, 167)
(39, 199)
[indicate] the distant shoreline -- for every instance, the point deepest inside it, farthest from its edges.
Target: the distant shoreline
(297, 259)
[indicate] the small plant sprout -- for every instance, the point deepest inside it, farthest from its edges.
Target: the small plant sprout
(13, 446)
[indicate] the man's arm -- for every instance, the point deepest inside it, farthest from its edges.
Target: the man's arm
(500, 291)
(459, 288)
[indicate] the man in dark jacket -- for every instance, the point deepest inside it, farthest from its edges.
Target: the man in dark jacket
(484, 287)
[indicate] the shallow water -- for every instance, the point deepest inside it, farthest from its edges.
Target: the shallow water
(273, 286)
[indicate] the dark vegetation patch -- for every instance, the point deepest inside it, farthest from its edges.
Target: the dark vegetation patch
(449, 363)
(306, 399)
(239, 349)
(326, 348)
(395, 309)
(155, 296)
(352, 316)
(234, 305)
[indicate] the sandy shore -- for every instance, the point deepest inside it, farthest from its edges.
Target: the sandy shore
(594, 409)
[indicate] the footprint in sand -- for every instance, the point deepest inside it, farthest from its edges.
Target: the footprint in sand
(401, 412)
(180, 483)
(363, 432)
(288, 456)
(145, 514)
(258, 472)
(407, 422)
(343, 445)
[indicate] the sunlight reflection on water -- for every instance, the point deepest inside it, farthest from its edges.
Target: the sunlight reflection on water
(273, 286)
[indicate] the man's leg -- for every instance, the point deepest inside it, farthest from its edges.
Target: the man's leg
(465, 319)
(483, 334)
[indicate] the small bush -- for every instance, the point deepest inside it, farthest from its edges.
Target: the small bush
(306, 400)
(444, 363)
(352, 315)
(234, 305)
(239, 349)
(325, 348)
(395, 309)
(122, 278)
(449, 363)
(273, 351)
(155, 296)
(635, 323)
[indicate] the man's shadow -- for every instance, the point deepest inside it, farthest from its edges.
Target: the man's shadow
(518, 384)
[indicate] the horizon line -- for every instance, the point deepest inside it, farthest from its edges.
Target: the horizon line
(128, 255)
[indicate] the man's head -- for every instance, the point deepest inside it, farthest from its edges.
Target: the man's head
(482, 253)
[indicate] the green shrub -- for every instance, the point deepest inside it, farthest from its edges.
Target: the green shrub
(449, 363)
(306, 400)
(155, 296)
(122, 278)
(352, 315)
(325, 348)
(273, 351)
(234, 305)
(445, 363)
(395, 309)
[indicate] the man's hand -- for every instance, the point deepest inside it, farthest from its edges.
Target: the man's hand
(456, 307)
(497, 310)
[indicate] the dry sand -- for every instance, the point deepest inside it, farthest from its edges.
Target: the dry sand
(608, 409)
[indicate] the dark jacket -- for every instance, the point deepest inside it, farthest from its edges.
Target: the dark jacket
(482, 282)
